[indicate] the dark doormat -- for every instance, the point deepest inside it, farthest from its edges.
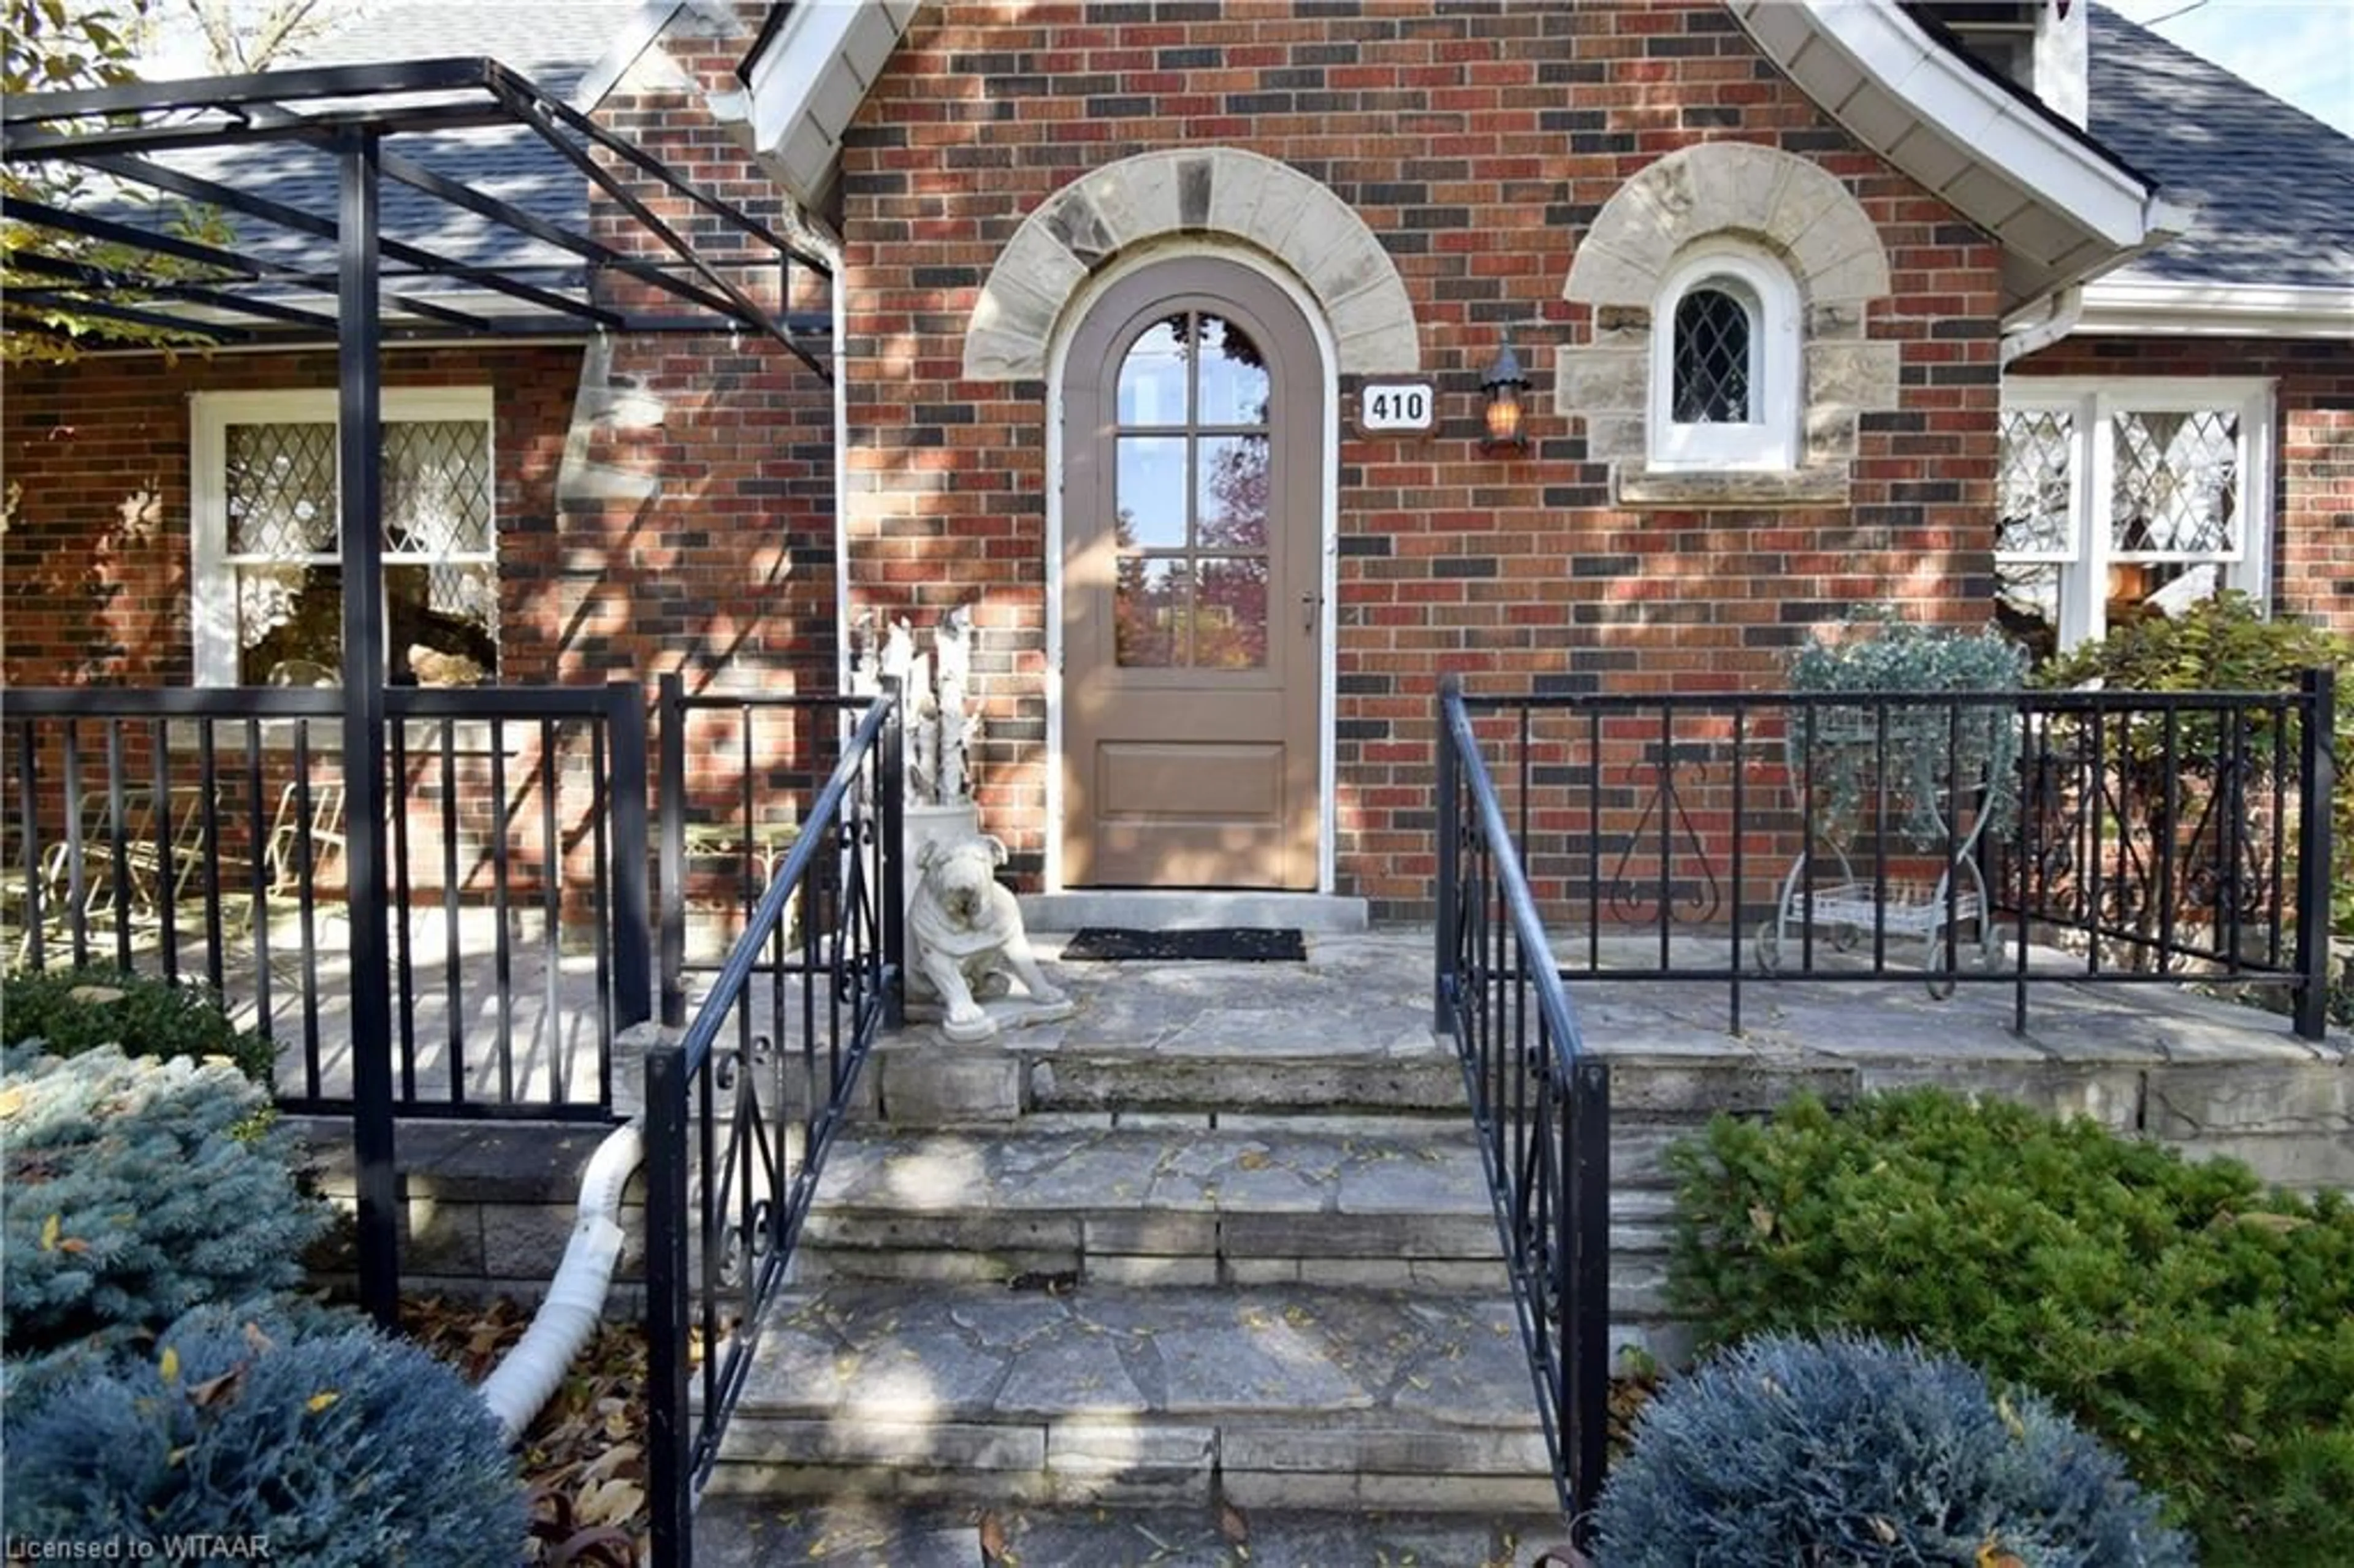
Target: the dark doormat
(1221, 944)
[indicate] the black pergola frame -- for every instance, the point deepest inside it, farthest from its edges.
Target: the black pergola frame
(350, 111)
(118, 131)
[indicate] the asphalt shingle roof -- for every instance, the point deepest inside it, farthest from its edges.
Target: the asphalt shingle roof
(554, 45)
(2273, 187)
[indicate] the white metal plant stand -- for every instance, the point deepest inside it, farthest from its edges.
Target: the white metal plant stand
(1850, 908)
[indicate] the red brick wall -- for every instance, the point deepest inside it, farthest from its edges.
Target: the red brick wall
(737, 551)
(2313, 489)
(1479, 144)
(96, 558)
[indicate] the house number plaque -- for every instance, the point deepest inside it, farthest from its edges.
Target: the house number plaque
(1397, 408)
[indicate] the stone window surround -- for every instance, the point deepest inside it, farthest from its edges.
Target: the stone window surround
(1192, 192)
(1793, 211)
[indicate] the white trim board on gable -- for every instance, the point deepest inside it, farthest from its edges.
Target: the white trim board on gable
(808, 80)
(2064, 211)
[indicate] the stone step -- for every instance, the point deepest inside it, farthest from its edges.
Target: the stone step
(1268, 1396)
(741, 1533)
(1332, 1202)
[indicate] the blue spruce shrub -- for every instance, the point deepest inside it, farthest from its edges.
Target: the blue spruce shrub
(133, 1191)
(344, 1449)
(1847, 1450)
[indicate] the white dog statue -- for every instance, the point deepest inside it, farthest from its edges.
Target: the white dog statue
(965, 938)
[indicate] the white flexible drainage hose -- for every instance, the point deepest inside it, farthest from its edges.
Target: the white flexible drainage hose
(575, 1303)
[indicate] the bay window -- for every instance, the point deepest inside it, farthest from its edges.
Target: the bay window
(2128, 497)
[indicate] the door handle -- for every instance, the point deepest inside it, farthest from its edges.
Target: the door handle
(1308, 603)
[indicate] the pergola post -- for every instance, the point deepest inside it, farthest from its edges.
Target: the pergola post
(360, 473)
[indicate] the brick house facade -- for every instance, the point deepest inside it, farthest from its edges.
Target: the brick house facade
(1424, 185)
(1478, 145)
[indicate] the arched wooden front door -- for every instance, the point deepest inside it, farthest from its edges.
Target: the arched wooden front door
(1193, 431)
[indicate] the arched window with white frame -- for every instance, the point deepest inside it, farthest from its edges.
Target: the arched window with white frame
(1725, 350)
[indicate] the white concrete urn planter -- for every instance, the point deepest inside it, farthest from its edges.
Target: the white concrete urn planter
(922, 823)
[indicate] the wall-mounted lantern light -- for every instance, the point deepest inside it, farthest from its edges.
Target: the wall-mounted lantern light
(1503, 384)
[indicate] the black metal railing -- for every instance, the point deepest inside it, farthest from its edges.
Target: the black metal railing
(2004, 838)
(733, 768)
(741, 1112)
(1541, 1103)
(200, 833)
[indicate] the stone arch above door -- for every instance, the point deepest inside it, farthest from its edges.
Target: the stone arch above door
(1189, 192)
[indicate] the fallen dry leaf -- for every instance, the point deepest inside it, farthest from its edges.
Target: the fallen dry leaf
(221, 1390)
(608, 1502)
(992, 1539)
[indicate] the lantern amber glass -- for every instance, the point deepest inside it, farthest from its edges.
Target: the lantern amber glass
(1504, 416)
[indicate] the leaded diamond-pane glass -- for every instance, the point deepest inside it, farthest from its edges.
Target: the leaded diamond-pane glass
(436, 487)
(1711, 359)
(2177, 488)
(440, 579)
(282, 490)
(1152, 376)
(2035, 484)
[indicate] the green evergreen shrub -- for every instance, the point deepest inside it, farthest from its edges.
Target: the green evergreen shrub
(346, 1448)
(72, 1011)
(131, 1192)
(2226, 643)
(1801, 1452)
(2199, 1324)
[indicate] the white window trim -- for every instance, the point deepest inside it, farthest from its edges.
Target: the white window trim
(2093, 401)
(1768, 441)
(211, 587)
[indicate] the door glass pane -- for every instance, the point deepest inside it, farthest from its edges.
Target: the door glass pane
(1234, 376)
(1150, 504)
(1152, 376)
(290, 625)
(1149, 612)
(1230, 614)
(1231, 502)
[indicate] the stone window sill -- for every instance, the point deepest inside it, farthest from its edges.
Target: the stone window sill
(1688, 489)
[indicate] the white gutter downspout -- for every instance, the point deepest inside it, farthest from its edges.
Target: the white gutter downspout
(2061, 311)
(836, 297)
(575, 1304)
